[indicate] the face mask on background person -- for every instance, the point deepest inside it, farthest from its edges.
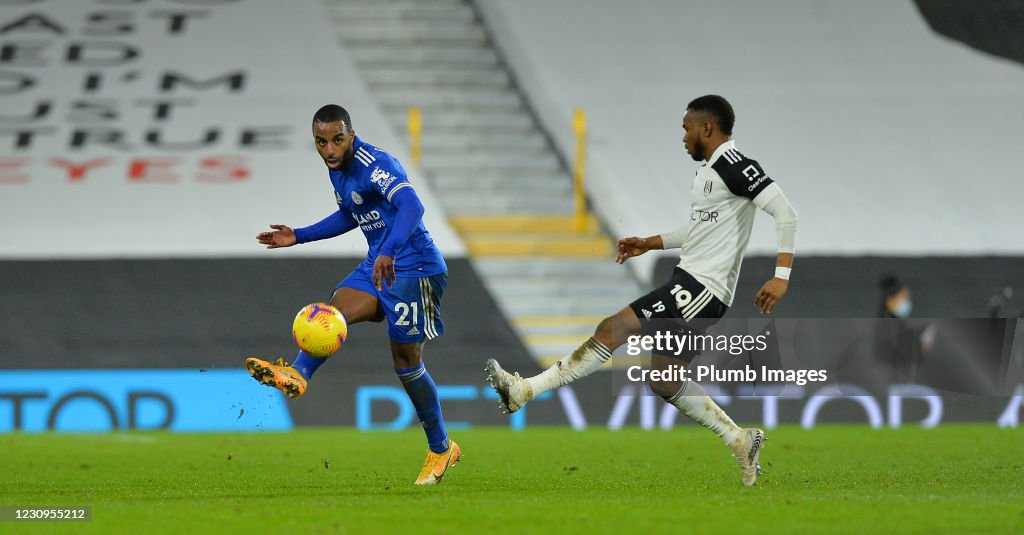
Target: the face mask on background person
(903, 307)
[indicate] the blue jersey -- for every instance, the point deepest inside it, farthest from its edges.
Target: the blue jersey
(364, 190)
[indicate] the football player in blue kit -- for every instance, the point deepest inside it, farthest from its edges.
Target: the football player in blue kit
(401, 280)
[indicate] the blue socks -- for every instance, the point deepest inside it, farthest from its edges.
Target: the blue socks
(307, 364)
(418, 385)
(423, 393)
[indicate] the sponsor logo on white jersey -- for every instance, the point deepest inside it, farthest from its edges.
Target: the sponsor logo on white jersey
(754, 186)
(704, 216)
(751, 173)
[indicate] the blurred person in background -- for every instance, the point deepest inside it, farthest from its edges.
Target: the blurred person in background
(897, 345)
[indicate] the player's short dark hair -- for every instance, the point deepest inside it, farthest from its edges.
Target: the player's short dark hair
(333, 113)
(717, 107)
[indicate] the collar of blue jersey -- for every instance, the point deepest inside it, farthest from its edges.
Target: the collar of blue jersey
(356, 145)
(731, 144)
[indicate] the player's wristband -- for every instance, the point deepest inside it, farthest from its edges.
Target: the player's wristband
(782, 272)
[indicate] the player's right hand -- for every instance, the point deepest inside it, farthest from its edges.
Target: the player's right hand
(630, 247)
(282, 236)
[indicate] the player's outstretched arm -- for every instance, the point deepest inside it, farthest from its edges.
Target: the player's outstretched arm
(333, 225)
(775, 203)
(633, 246)
(282, 236)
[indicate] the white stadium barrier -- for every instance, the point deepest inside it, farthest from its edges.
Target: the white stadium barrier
(888, 138)
(173, 129)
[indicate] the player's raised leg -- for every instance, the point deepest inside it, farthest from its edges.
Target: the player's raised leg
(515, 391)
(688, 396)
(293, 379)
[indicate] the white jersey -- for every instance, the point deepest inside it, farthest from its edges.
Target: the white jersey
(725, 193)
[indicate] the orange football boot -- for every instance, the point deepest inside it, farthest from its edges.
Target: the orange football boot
(279, 375)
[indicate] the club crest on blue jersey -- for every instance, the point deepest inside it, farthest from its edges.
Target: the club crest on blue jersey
(356, 198)
(382, 179)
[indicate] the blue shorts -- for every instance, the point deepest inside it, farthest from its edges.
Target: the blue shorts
(412, 305)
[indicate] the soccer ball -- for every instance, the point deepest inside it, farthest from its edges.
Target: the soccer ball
(319, 329)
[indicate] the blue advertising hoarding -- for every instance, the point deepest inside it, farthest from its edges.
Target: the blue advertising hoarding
(188, 400)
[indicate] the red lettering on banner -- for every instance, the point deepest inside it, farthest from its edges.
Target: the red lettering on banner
(152, 170)
(223, 169)
(7, 176)
(76, 172)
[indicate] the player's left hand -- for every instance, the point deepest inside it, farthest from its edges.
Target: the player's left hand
(383, 271)
(770, 295)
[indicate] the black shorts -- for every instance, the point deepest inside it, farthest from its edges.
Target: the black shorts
(681, 297)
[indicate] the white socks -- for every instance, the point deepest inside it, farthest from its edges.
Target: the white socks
(691, 398)
(581, 363)
(694, 402)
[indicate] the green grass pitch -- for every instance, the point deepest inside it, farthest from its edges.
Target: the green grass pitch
(833, 479)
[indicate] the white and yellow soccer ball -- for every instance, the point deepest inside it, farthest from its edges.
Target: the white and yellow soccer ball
(319, 329)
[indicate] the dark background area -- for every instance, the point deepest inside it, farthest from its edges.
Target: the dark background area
(213, 313)
(847, 287)
(992, 26)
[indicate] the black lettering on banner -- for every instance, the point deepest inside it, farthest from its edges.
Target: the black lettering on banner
(153, 138)
(100, 54)
(93, 81)
(51, 421)
(16, 399)
(32, 22)
(234, 80)
(110, 137)
(23, 54)
(176, 19)
(12, 83)
(23, 136)
(162, 107)
(133, 401)
(109, 23)
(42, 109)
(269, 137)
(83, 111)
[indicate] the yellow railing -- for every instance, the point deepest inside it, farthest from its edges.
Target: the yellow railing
(579, 127)
(415, 135)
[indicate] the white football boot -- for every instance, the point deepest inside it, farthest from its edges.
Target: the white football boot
(513, 390)
(746, 449)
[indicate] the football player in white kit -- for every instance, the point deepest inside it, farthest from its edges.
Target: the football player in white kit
(726, 190)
